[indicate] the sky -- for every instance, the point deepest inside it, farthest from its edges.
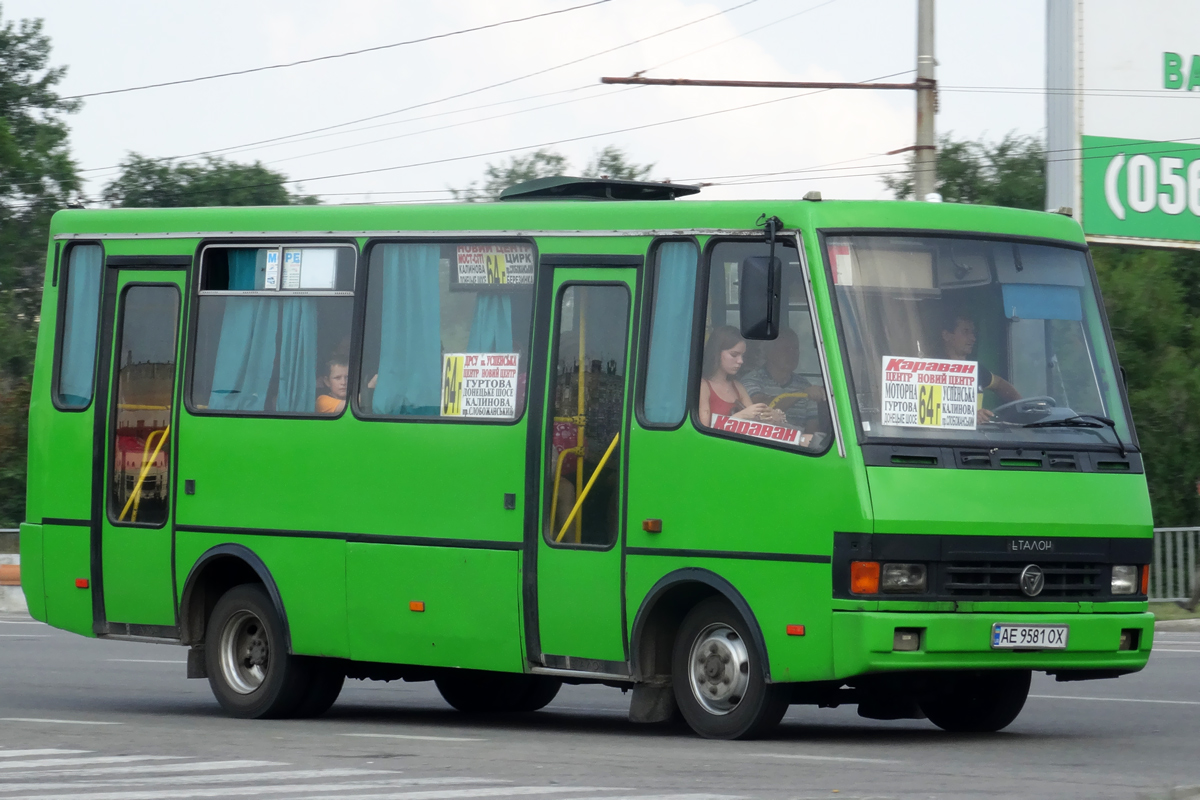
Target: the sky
(748, 143)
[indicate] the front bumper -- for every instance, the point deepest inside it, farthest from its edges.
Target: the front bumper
(864, 642)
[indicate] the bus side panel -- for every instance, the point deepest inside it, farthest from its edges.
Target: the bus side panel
(469, 612)
(310, 574)
(779, 594)
(32, 583)
(67, 558)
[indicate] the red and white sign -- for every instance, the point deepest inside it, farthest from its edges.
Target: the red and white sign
(759, 430)
(929, 393)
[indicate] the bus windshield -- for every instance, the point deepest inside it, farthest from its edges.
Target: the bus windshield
(965, 339)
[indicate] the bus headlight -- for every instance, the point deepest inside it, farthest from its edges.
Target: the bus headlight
(903, 578)
(1124, 579)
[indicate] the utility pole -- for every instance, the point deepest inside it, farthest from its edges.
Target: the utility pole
(925, 150)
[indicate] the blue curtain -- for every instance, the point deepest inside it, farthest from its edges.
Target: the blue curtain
(410, 349)
(77, 367)
(491, 327)
(245, 354)
(298, 357)
(243, 264)
(671, 333)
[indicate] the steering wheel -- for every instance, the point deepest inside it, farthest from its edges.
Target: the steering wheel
(1026, 409)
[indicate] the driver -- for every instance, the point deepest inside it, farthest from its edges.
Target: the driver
(958, 342)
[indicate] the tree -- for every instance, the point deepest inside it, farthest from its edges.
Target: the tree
(1011, 172)
(37, 177)
(161, 183)
(610, 162)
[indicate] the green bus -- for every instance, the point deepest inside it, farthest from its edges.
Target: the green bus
(730, 455)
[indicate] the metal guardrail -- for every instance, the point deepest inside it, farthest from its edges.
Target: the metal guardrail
(1176, 552)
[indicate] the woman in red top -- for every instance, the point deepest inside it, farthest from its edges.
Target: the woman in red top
(720, 393)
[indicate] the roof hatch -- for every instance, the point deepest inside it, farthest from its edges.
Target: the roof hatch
(563, 187)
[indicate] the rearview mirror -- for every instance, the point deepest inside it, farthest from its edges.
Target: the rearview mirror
(759, 279)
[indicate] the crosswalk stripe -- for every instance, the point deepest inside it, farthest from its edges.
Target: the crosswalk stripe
(412, 736)
(665, 797)
(46, 751)
(197, 766)
(232, 777)
(55, 762)
(59, 721)
(459, 794)
(233, 791)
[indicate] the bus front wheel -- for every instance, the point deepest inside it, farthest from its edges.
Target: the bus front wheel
(981, 702)
(250, 670)
(719, 682)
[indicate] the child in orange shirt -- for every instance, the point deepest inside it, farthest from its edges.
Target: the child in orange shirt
(333, 399)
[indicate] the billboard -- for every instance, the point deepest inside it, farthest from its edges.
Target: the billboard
(1123, 118)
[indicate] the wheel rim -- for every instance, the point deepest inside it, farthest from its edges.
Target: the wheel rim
(245, 652)
(719, 669)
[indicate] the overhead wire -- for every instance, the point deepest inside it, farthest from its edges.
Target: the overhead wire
(346, 54)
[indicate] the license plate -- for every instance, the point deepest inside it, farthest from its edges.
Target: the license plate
(1028, 637)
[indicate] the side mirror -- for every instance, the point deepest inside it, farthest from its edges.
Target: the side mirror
(759, 286)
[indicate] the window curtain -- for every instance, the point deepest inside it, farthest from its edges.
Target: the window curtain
(298, 356)
(76, 371)
(246, 349)
(410, 349)
(491, 327)
(671, 333)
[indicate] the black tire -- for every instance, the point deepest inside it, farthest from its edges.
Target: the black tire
(716, 703)
(328, 677)
(478, 692)
(978, 702)
(259, 678)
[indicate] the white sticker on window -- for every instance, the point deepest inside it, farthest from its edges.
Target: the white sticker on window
(929, 393)
(291, 268)
(319, 270)
(759, 430)
(480, 385)
(271, 278)
(843, 272)
(495, 264)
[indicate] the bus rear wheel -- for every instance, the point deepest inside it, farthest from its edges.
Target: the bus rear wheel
(480, 692)
(250, 670)
(981, 702)
(718, 676)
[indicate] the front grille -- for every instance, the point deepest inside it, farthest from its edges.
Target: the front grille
(1070, 581)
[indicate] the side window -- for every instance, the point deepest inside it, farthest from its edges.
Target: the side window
(761, 390)
(145, 378)
(273, 335)
(81, 312)
(674, 291)
(447, 330)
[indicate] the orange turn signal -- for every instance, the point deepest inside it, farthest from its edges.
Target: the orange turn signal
(416, 605)
(864, 577)
(652, 525)
(81, 583)
(1146, 579)
(795, 630)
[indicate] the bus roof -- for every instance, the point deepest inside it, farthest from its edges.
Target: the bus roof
(548, 218)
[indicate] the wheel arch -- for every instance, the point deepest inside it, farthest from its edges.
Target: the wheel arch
(662, 611)
(217, 570)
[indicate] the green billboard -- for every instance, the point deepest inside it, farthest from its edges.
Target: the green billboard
(1141, 189)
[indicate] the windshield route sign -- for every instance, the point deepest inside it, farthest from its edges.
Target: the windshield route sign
(929, 393)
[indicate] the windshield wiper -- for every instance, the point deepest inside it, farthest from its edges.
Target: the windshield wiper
(1082, 421)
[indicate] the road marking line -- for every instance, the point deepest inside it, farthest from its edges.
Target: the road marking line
(143, 661)
(25, 635)
(245, 778)
(408, 736)
(457, 794)
(828, 758)
(46, 751)
(1172, 650)
(20, 622)
(665, 797)
(340, 788)
(200, 766)
(1116, 699)
(57, 762)
(58, 721)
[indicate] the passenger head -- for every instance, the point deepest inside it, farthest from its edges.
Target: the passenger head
(783, 352)
(958, 335)
(724, 352)
(337, 372)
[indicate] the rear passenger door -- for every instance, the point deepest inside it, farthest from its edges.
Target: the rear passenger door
(134, 485)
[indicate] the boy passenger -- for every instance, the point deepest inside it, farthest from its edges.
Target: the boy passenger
(333, 399)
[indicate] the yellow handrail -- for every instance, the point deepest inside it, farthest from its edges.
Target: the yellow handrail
(583, 496)
(558, 474)
(136, 494)
(785, 396)
(579, 432)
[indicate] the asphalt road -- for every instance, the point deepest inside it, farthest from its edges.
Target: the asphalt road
(103, 720)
